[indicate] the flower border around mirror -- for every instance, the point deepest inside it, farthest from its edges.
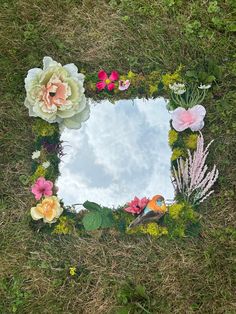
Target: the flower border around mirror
(55, 96)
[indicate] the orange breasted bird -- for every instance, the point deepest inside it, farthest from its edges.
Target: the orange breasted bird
(154, 210)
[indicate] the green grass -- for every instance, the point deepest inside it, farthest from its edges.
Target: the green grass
(137, 275)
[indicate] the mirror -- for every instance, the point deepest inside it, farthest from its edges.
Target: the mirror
(122, 151)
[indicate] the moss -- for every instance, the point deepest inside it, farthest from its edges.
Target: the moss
(42, 128)
(172, 137)
(175, 210)
(64, 226)
(152, 229)
(40, 172)
(176, 153)
(191, 141)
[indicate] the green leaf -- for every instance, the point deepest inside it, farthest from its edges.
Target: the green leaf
(231, 28)
(107, 221)
(92, 220)
(141, 291)
(24, 179)
(210, 79)
(107, 218)
(91, 206)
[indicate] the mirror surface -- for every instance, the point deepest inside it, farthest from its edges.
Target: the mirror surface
(122, 151)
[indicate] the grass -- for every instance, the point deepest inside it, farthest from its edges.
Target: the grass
(115, 274)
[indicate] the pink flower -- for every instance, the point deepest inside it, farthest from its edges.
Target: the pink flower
(41, 188)
(136, 205)
(191, 118)
(107, 81)
(123, 85)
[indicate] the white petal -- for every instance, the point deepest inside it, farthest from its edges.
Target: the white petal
(75, 121)
(200, 110)
(32, 73)
(73, 71)
(35, 214)
(48, 62)
(197, 126)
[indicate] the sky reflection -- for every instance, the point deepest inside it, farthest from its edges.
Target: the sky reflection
(120, 152)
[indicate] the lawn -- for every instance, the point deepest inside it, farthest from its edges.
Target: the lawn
(117, 274)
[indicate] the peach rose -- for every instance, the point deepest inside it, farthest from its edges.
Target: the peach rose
(49, 209)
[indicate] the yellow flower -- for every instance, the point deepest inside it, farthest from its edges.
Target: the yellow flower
(191, 141)
(175, 210)
(40, 172)
(173, 136)
(151, 228)
(49, 209)
(131, 75)
(170, 78)
(64, 226)
(177, 152)
(72, 271)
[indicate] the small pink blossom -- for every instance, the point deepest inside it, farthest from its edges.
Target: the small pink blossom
(123, 85)
(136, 205)
(106, 81)
(41, 188)
(192, 118)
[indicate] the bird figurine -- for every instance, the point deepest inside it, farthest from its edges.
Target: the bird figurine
(154, 210)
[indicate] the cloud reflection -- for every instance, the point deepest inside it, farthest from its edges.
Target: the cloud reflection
(120, 152)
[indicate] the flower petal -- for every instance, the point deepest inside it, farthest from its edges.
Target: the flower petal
(178, 126)
(75, 121)
(35, 214)
(48, 61)
(199, 110)
(73, 71)
(197, 126)
(102, 75)
(32, 74)
(110, 86)
(114, 76)
(101, 85)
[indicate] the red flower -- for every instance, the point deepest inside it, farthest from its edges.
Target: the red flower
(106, 81)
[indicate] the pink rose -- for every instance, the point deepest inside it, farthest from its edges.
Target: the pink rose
(136, 205)
(192, 118)
(41, 188)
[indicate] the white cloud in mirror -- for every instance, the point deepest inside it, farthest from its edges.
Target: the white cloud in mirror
(122, 151)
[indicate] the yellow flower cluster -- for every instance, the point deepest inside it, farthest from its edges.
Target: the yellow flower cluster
(176, 153)
(40, 172)
(154, 230)
(175, 210)
(191, 141)
(43, 128)
(63, 227)
(170, 78)
(172, 137)
(151, 228)
(153, 80)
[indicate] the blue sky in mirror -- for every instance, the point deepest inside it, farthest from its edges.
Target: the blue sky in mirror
(122, 151)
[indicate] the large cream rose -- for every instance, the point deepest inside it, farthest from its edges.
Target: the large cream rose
(56, 94)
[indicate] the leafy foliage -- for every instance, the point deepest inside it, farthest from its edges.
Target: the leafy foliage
(97, 217)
